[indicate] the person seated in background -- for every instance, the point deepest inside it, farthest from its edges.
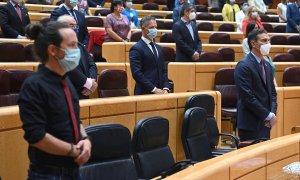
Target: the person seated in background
(117, 25)
(259, 4)
(83, 7)
(281, 10)
(177, 3)
(293, 17)
(176, 11)
(229, 10)
(13, 19)
(250, 27)
(239, 16)
(131, 14)
(84, 76)
(268, 3)
(251, 16)
(96, 3)
(188, 44)
(68, 7)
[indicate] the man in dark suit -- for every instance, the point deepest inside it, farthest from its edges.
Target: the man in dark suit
(188, 44)
(68, 8)
(147, 62)
(13, 19)
(176, 11)
(293, 17)
(85, 75)
(257, 101)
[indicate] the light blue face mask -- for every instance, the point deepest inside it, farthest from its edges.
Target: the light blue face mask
(73, 3)
(152, 33)
(129, 4)
(71, 59)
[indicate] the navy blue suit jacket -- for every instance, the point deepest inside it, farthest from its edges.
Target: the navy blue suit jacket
(11, 24)
(83, 35)
(147, 71)
(85, 69)
(292, 17)
(185, 44)
(255, 99)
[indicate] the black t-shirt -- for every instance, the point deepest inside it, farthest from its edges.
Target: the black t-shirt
(44, 109)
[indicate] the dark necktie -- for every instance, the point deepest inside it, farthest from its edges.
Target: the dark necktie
(154, 49)
(71, 109)
(233, 14)
(262, 71)
(18, 9)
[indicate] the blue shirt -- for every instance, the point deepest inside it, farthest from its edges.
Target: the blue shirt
(132, 16)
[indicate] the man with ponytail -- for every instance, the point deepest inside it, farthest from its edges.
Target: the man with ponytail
(49, 106)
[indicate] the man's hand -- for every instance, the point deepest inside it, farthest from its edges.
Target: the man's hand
(165, 91)
(87, 91)
(158, 91)
(196, 56)
(85, 146)
(270, 123)
(94, 86)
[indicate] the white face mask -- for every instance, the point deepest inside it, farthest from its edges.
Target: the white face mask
(192, 16)
(265, 49)
(245, 8)
(232, 1)
(254, 15)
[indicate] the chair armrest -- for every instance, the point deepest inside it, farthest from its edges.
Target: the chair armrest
(251, 142)
(177, 167)
(236, 139)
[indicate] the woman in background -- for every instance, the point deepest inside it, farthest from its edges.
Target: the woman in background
(281, 10)
(251, 16)
(229, 10)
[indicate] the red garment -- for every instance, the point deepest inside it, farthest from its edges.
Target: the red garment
(96, 37)
(247, 21)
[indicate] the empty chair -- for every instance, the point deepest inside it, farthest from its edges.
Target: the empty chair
(4, 88)
(215, 10)
(295, 53)
(45, 21)
(291, 76)
(279, 29)
(274, 19)
(11, 52)
(284, 57)
(211, 57)
(228, 54)
(205, 26)
(219, 38)
(167, 38)
(227, 28)
(169, 16)
(136, 36)
(201, 8)
(293, 40)
(218, 18)
(151, 152)
(195, 142)
(205, 16)
(102, 12)
(160, 2)
(150, 6)
(110, 154)
(96, 39)
(168, 25)
(28, 53)
(268, 27)
(94, 22)
(169, 54)
(264, 18)
(160, 24)
(112, 83)
(278, 40)
(207, 102)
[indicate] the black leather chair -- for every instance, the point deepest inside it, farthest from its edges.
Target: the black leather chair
(207, 102)
(151, 152)
(291, 76)
(111, 153)
(195, 142)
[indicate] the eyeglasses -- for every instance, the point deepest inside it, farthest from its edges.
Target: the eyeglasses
(74, 26)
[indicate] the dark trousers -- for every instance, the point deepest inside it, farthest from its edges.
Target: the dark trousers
(262, 132)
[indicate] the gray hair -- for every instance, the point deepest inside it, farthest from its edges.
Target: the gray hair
(65, 18)
(145, 20)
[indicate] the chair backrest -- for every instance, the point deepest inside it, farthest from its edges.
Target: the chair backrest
(169, 54)
(167, 38)
(160, 24)
(4, 88)
(224, 82)
(211, 57)
(215, 10)
(295, 53)
(293, 40)
(168, 25)
(264, 18)
(112, 83)
(150, 6)
(227, 28)
(268, 27)
(219, 38)
(195, 142)
(160, 2)
(201, 8)
(228, 54)
(205, 16)
(151, 152)
(102, 12)
(284, 57)
(207, 102)
(111, 153)
(8, 52)
(218, 18)
(278, 40)
(28, 53)
(205, 26)
(136, 36)
(280, 29)
(291, 76)
(94, 22)
(169, 16)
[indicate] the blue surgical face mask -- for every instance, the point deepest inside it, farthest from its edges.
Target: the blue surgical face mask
(129, 4)
(76, 30)
(71, 59)
(152, 33)
(73, 3)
